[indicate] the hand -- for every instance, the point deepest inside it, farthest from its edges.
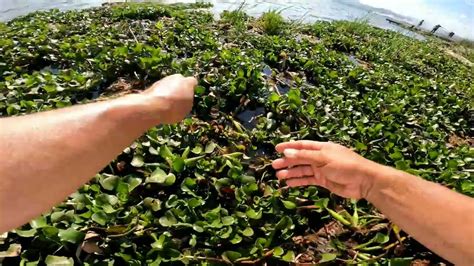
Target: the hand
(325, 164)
(172, 97)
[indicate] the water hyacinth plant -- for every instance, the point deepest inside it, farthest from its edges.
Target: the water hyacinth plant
(202, 192)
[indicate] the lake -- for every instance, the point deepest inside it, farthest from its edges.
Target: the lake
(305, 10)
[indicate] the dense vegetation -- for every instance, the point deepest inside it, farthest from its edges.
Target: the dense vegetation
(203, 191)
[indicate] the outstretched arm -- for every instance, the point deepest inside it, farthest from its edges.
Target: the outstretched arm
(47, 156)
(439, 218)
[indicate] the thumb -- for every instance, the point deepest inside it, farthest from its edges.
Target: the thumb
(317, 157)
(191, 81)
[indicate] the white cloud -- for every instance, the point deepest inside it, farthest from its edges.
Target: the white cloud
(462, 24)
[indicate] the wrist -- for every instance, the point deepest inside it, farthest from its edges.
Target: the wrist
(377, 178)
(134, 109)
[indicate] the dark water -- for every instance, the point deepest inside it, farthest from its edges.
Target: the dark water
(305, 10)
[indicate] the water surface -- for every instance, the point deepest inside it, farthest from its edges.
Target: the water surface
(304, 10)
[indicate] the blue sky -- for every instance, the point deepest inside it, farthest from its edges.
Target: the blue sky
(453, 15)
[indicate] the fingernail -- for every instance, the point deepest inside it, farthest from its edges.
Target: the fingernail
(290, 152)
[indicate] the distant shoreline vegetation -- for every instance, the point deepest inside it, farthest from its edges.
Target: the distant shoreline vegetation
(202, 192)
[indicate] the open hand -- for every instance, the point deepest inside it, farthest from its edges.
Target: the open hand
(171, 97)
(325, 164)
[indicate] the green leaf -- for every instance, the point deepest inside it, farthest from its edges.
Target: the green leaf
(168, 220)
(58, 261)
(26, 233)
(278, 251)
(381, 238)
(289, 256)
(108, 183)
(226, 232)
(134, 182)
(158, 176)
(321, 203)
(360, 146)
(289, 204)
(153, 204)
(252, 214)
(49, 88)
(14, 250)
(326, 257)
(198, 228)
(402, 165)
(396, 156)
(100, 217)
(178, 164)
(71, 235)
(284, 223)
(166, 153)
(197, 150)
(248, 232)
(231, 256)
(161, 177)
(210, 147)
(453, 164)
(193, 241)
(236, 239)
(39, 222)
(160, 242)
(228, 220)
(137, 161)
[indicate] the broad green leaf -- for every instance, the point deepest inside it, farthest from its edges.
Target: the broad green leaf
(168, 219)
(252, 214)
(289, 204)
(108, 182)
(38, 222)
(278, 251)
(160, 242)
(248, 232)
(58, 261)
(100, 217)
(193, 241)
(360, 146)
(26, 233)
(198, 228)
(381, 238)
(236, 239)
(210, 147)
(166, 153)
(289, 256)
(137, 161)
(226, 232)
(158, 176)
(161, 177)
(134, 182)
(14, 250)
(71, 235)
(231, 256)
(326, 257)
(153, 204)
(197, 150)
(178, 164)
(228, 220)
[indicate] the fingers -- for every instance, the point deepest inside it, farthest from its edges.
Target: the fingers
(316, 158)
(335, 188)
(300, 145)
(289, 162)
(304, 181)
(300, 171)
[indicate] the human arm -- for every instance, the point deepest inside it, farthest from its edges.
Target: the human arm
(47, 156)
(437, 217)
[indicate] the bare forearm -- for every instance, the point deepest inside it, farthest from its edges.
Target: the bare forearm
(439, 218)
(47, 156)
